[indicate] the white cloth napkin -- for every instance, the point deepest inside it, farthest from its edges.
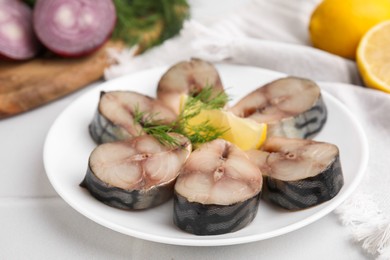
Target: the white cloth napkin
(274, 35)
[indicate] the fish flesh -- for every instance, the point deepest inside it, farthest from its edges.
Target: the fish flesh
(114, 118)
(188, 78)
(291, 106)
(135, 174)
(218, 190)
(298, 173)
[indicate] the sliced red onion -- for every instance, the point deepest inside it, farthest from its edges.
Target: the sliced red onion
(73, 28)
(17, 38)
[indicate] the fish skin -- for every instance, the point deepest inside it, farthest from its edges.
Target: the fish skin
(126, 199)
(102, 130)
(202, 220)
(308, 192)
(306, 125)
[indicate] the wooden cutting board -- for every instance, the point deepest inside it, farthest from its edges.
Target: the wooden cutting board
(27, 85)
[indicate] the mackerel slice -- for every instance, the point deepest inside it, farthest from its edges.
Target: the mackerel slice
(114, 118)
(299, 173)
(292, 107)
(135, 174)
(217, 191)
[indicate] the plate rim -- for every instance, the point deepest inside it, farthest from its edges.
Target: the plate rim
(203, 241)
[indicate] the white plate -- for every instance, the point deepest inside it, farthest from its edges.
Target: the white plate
(68, 146)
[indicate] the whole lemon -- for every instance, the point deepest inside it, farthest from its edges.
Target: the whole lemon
(336, 26)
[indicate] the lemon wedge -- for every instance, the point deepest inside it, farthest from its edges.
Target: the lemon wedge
(243, 132)
(373, 57)
(183, 100)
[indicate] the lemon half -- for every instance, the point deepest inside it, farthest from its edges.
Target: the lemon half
(373, 57)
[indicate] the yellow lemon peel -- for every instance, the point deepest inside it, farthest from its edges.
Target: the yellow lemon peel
(337, 26)
(373, 57)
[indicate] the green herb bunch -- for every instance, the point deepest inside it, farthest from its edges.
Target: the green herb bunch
(148, 22)
(197, 134)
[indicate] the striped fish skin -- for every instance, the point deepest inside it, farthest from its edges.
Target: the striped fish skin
(306, 125)
(126, 199)
(305, 193)
(102, 130)
(292, 107)
(202, 220)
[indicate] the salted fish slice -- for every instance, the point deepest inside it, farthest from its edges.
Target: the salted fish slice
(135, 174)
(114, 118)
(299, 173)
(187, 78)
(292, 107)
(218, 190)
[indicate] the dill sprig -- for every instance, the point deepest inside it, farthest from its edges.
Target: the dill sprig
(201, 133)
(161, 133)
(204, 132)
(206, 99)
(153, 127)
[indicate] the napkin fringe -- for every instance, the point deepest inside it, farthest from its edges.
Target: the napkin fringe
(368, 224)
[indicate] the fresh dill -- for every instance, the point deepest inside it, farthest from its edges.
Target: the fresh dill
(161, 133)
(203, 133)
(147, 22)
(151, 126)
(206, 99)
